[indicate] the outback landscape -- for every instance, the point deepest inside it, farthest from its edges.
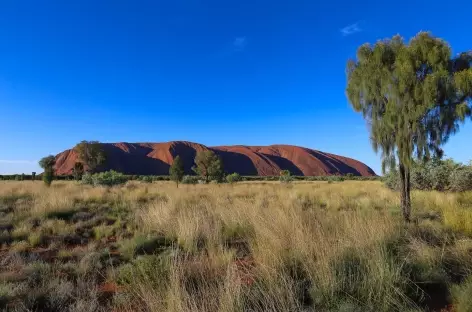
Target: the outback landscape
(183, 227)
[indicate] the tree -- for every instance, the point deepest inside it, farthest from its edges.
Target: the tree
(413, 97)
(47, 163)
(208, 165)
(78, 171)
(91, 154)
(176, 170)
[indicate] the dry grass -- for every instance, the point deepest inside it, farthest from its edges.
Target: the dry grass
(313, 246)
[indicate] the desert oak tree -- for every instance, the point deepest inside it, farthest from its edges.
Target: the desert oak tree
(176, 170)
(208, 165)
(47, 163)
(413, 96)
(91, 154)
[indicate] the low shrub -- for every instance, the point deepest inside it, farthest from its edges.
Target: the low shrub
(285, 176)
(108, 178)
(188, 179)
(438, 175)
(87, 178)
(147, 179)
(232, 178)
(461, 179)
(335, 179)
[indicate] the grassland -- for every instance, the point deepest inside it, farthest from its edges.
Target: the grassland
(306, 246)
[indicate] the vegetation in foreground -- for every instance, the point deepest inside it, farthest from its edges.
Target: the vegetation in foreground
(414, 95)
(303, 246)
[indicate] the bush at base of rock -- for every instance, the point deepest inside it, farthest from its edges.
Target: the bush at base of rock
(108, 178)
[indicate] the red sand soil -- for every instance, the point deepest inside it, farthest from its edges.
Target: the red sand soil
(156, 158)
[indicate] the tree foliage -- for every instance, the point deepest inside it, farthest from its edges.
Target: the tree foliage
(233, 178)
(176, 170)
(107, 178)
(208, 166)
(436, 174)
(285, 176)
(91, 154)
(47, 163)
(78, 171)
(413, 95)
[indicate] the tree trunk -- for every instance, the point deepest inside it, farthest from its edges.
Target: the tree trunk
(405, 192)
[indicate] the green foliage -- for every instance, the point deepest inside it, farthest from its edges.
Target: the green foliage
(87, 178)
(461, 179)
(176, 170)
(413, 95)
(188, 179)
(78, 171)
(335, 179)
(108, 178)
(47, 163)
(285, 176)
(146, 179)
(439, 175)
(232, 178)
(91, 154)
(209, 166)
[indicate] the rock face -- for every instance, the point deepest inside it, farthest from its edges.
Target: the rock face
(156, 158)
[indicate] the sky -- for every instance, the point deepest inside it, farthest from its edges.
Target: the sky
(216, 72)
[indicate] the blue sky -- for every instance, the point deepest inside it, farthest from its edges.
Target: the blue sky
(214, 72)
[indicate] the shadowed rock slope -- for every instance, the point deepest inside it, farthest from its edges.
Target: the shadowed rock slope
(156, 158)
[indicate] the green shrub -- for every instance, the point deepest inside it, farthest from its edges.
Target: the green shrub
(439, 175)
(147, 179)
(48, 177)
(335, 179)
(189, 179)
(108, 178)
(87, 178)
(421, 178)
(285, 176)
(461, 179)
(232, 178)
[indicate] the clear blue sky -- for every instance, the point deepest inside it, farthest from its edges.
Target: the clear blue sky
(214, 72)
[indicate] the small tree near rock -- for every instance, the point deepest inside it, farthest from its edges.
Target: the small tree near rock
(78, 171)
(209, 166)
(47, 163)
(176, 170)
(91, 154)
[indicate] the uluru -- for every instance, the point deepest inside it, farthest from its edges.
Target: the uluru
(156, 158)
